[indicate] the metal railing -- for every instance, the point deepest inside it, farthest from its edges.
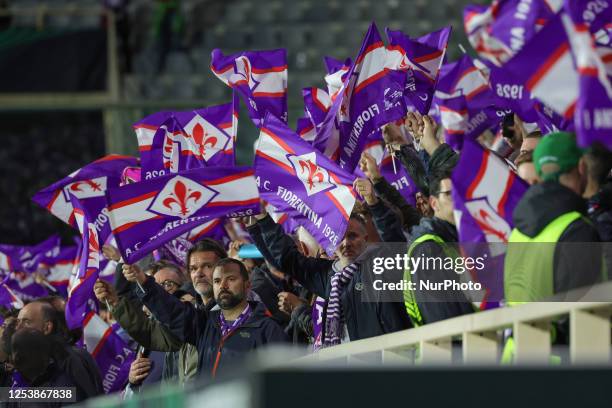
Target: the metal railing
(481, 340)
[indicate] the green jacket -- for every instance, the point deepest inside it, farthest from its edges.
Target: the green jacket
(153, 335)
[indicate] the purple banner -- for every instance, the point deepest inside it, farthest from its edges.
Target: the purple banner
(303, 183)
(148, 214)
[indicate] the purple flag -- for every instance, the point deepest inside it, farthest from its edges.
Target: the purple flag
(546, 68)
(421, 58)
(373, 97)
(318, 312)
(260, 77)
(485, 193)
(80, 296)
(399, 178)
(111, 352)
(305, 129)
(593, 118)
(60, 268)
(148, 214)
(187, 140)
(466, 102)
(596, 14)
(89, 182)
(8, 298)
(501, 30)
(316, 104)
(303, 183)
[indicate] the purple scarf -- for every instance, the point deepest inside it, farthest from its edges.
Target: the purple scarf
(228, 328)
(334, 321)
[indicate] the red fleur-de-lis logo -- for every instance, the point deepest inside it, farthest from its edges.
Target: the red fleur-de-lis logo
(94, 247)
(203, 139)
(180, 197)
(313, 172)
(92, 185)
(484, 223)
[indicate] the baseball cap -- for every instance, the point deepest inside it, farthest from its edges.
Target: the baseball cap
(557, 153)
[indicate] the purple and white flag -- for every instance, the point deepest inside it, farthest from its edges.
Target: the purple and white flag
(260, 77)
(501, 30)
(399, 178)
(546, 68)
(422, 59)
(8, 298)
(485, 193)
(303, 183)
(148, 214)
(145, 129)
(593, 118)
(193, 139)
(90, 181)
(373, 97)
(60, 269)
(112, 354)
(305, 129)
(316, 104)
(466, 102)
(596, 14)
(81, 298)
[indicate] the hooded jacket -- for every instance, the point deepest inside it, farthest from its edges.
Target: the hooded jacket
(363, 319)
(202, 329)
(437, 305)
(574, 265)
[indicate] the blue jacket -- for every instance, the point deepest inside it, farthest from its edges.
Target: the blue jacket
(202, 329)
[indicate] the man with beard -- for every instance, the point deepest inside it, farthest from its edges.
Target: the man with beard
(338, 281)
(222, 337)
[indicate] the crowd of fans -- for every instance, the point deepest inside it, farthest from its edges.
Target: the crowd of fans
(203, 318)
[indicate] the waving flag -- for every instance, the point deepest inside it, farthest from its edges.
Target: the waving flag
(306, 129)
(596, 15)
(148, 214)
(485, 193)
(421, 58)
(90, 181)
(259, 76)
(145, 129)
(80, 294)
(399, 178)
(111, 352)
(316, 104)
(501, 30)
(6, 259)
(303, 183)
(187, 140)
(8, 298)
(373, 97)
(466, 102)
(593, 118)
(546, 68)
(60, 269)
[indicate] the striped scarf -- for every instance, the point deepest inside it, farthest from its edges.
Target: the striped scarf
(334, 321)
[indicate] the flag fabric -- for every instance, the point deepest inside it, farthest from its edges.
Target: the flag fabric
(90, 181)
(421, 58)
(499, 31)
(596, 15)
(146, 128)
(304, 184)
(316, 104)
(112, 354)
(485, 193)
(260, 77)
(8, 298)
(399, 178)
(593, 117)
(545, 66)
(148, 214)
(306, 129)
(193, 139)
(373, 97)
(466, 102)
(81, 298)
(60, 268)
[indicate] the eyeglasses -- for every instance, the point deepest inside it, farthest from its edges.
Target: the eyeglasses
(169, 284)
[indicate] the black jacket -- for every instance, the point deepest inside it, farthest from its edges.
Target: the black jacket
(81, 367)
(600, 212)
(363, 319)
(444, 158)
(386, 219)
(574, 265)
(437, 305)
(201, 328)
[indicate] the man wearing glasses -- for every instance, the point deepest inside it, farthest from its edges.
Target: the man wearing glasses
(144, 329)
(435, 239)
